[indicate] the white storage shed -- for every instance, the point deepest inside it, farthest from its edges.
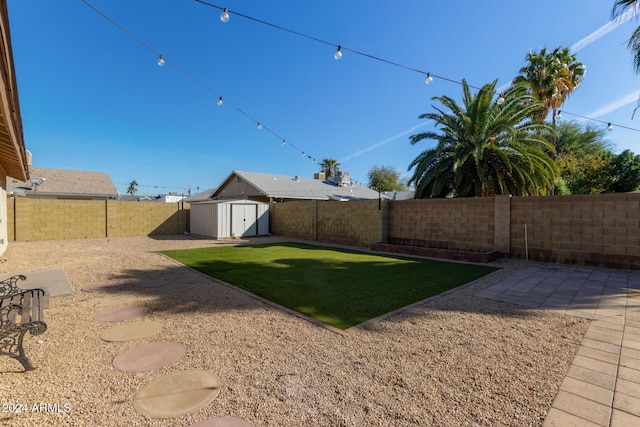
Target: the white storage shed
(229, 218)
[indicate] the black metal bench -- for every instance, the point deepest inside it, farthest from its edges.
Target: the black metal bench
(20, 311)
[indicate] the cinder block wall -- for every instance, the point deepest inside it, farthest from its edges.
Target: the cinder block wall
(601, 229)
(294, 219)
(465, 223)
(141, 219)
(357, 223)
(53, 219)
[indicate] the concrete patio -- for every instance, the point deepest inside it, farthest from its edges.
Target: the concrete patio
(602, 385)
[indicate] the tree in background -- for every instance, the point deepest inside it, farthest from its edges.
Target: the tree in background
(551, 77)
(133, 187)
(625, 172)
(583, 156)
(385, 178)
(587, 164)
(620, 7)
(485, 147)
(330, 167)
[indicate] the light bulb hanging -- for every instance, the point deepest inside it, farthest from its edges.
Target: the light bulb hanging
(283, 143)
(500, 99)
(338, 54)
(224, 16)
(259, 125)
(161, 61)
(609, 127)
(220, 101)
(429, 79)
(559, 115)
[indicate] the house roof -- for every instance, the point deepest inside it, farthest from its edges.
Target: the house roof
(13, 156)
(399, 195)
(201, 196)
(68, 182)
(287, 187)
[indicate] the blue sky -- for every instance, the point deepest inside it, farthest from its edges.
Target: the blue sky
(94, 98)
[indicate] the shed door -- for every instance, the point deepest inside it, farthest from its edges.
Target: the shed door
(243, 220)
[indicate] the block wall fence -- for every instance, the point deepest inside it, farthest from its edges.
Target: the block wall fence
(53, 219)
(600, 230)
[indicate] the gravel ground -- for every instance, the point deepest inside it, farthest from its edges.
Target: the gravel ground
(456, 360)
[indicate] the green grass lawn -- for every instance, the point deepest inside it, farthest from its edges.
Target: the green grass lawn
(339, 287)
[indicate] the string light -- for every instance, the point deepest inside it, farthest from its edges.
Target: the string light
(559, 115)
(259, 125)
(609, 127)
(338, 54)
(224, 16)
(429, 79)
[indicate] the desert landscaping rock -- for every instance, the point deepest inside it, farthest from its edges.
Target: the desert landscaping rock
(189, 280)
(111, 301)
(132, 331)
(149, 356)
(152, 283)
(459, 360)
(120, 314)
(222, 422)
(104, 288)
(178, 393)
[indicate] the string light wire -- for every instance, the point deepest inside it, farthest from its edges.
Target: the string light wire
(429, 76)
(192, 77)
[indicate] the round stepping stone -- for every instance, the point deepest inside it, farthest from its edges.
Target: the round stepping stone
(222, 422)
(132, 331)
(104, 288)
(150, 356)
(111, 301)
(150, 283)
(119, 314)
(176, 394)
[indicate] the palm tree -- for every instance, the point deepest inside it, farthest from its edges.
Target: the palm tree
(551, 78)
(485, 147)
(133, 187)
(620, 7)
(330, 167)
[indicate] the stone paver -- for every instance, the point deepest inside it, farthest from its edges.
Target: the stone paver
(131, 331)
(602, 385)
(178, 393)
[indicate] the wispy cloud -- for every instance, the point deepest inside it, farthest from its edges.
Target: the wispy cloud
(579, 45)
(381, 143)
(626, 100)
(605, 29)
(596, 35)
